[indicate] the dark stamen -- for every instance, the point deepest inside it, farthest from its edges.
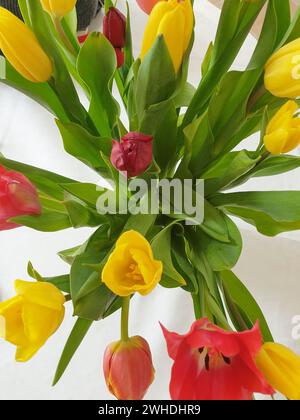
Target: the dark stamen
(226, 359)
(206, 361)
(200, 350)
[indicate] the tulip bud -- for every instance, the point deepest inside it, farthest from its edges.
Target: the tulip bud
(18, 197)
(22, 49)
(282, 71)
(128, 368)
(58, 8)
(133, 155)
(147, 5)
(120, 57)
(114, 28)
(174, 19)
(283, 131)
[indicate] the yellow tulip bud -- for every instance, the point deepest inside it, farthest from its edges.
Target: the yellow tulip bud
(174, 19)
(282, 71)
(131, 267)
(281, 367)
(58, 8)
(283, 131)
(31, 317)
(22, 49)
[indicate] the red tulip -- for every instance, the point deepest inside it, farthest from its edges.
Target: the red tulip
(120, 57)
(18, 197)
(133, 155)
(214, 364)
(147, 5)
(128, 368)
(114, 27)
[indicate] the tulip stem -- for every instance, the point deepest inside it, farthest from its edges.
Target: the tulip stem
(63, 36)
(125, 318)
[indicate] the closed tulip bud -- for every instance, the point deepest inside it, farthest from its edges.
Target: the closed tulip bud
(174, 19)
(114, 28)
(282, 71)
(281, 368)
(133, 155)
(120, 57)
(147, 5)
(58, 8)
(128, 368)
(31, 317)
(22, 49)
(283, 131)
(18, 197)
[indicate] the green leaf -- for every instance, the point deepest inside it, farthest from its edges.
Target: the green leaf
(86, 192)
(221, 256)
(78, 333)
(272, 212)
(227, 169)
(243, 298)
(90, 296)
(160, 121)
(161, 246)
(46, 182)
(81, 215)
(156, 77)
(39, 92)
(79, 143)
(183, 264)
(61, 282)
(214, 224)
(275, 165)
(207, 59)
(96, 65)
(48, 221)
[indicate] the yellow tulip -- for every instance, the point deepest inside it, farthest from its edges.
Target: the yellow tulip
(131, 267)
(281, 367)
(22, 49)
(283, 131)
(174, 19)
(58, 8)
(282, 71)
(31, 317)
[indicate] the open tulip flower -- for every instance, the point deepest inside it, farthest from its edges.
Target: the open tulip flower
(31, 317)
(213, 364)
(131, 267)
(18, 197)
(169, 151)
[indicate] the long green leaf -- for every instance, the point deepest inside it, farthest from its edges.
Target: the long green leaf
(78, 333)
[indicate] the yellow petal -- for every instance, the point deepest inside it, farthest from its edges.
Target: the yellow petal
(283, 116)
(281, 367)
(40, 322)
(12, 328)
(22, 49)
(276, 141)
(41, 293)
(150, 34)
(134, 238)
(172, 27)
(58, 7)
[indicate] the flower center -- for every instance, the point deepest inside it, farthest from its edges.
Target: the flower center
(134, 273)
(213, 359)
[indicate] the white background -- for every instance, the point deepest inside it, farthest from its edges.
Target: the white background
(269, 267)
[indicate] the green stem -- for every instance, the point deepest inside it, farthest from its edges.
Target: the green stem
(62, 35)
(197, 307)
(124, 318)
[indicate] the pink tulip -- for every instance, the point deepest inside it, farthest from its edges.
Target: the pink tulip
(18, 197)
(147, 5)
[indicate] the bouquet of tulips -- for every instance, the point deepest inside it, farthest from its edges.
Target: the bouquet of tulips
(163, 218)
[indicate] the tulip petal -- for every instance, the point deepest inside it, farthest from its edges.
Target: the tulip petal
(41, 293)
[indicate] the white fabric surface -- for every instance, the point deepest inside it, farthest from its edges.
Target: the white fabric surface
(269, 267)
